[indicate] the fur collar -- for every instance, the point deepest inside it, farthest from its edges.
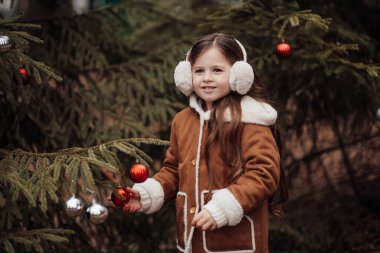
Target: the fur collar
(253, 111)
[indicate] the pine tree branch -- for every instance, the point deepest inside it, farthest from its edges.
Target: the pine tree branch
(26, 36)
(372, 70)
(80, 165)
(34, 237)
(305, 15)
(21, 41)
(77, 150)
(8, 174)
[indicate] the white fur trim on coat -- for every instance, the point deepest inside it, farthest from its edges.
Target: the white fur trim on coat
(152, 195)
(223, 200)
(253, 111)
(195, 104)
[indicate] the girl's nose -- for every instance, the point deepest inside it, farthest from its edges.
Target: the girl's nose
(207, 76)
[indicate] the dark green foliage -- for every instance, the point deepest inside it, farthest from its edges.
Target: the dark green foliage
(33, 185)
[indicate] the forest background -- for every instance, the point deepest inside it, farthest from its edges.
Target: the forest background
(102, 73)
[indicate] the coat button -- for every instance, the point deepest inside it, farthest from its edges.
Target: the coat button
(192, 210)
(193, 162)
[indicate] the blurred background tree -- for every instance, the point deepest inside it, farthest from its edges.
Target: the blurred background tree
(116, 60)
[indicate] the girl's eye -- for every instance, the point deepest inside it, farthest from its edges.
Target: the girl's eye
(218, 70)
(198, 71)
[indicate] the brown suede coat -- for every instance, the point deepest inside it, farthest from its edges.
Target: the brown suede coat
(179, 179)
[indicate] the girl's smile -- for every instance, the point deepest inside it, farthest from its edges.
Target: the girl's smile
(208, 88)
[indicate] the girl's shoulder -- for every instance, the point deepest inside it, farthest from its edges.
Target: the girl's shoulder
(185, 115)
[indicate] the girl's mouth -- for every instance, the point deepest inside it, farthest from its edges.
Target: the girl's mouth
(208, 88)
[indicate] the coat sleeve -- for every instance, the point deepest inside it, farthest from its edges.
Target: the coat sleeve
(168, 175)
(164, 184)
(260, 180)
(262, 168)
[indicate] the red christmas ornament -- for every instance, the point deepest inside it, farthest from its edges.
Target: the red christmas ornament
(139, 173)
(283, 50)
(120, 196)
(25, 77)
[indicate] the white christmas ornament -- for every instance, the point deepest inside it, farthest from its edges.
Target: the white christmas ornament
(5, 44)
(74, 206)
(9, 7)
(97, 213)
(81, 6)
(378, 114)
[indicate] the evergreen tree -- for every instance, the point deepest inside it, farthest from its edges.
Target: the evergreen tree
(116, 66)
(35, 186)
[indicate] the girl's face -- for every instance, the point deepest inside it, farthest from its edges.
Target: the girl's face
(211, 73)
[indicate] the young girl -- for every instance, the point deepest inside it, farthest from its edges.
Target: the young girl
(223, 163)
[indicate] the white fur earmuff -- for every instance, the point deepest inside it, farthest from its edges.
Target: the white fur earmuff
(182, 77)
(241, 75)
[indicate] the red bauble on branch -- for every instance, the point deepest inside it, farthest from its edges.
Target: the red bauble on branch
(283, 50)
(23, 74)
(139, 173)
(120, 196)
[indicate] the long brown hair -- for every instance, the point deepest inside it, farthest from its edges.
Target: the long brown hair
(228, 134)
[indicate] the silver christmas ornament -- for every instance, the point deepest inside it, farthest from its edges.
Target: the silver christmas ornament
(74, 207)
(81, 6)
(5, 44)
(97, 213)
(378, 114)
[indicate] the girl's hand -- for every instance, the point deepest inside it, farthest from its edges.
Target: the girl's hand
(204, 221)
(134, 203)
